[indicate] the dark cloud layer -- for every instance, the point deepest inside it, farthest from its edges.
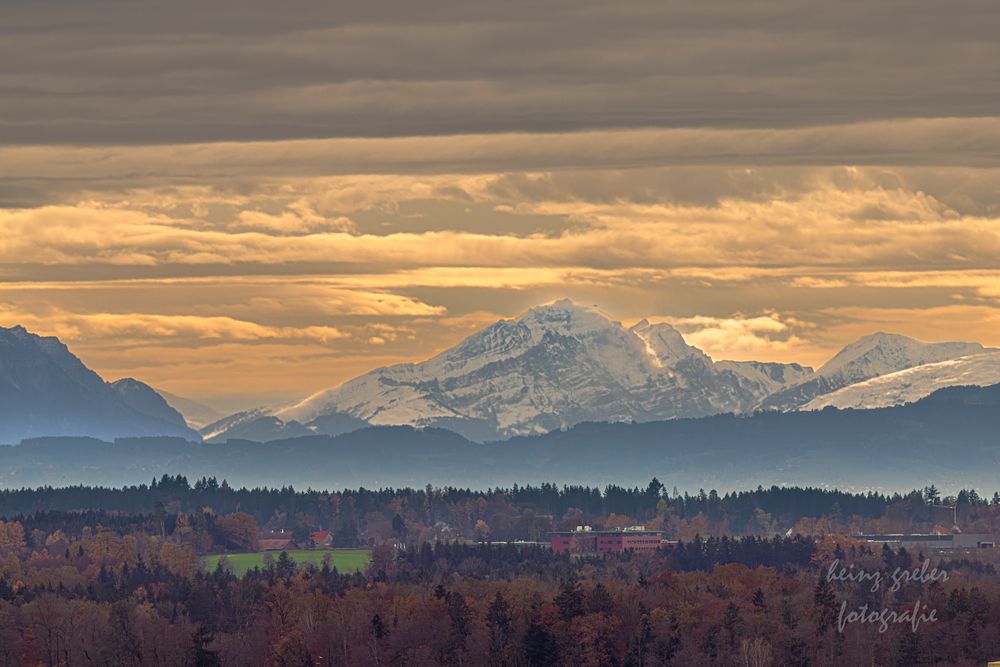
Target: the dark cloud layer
(178, 72)
(248, 201)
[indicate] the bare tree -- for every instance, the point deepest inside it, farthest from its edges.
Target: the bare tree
(755, 653)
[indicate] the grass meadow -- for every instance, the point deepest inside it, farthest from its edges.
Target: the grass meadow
(345, 560)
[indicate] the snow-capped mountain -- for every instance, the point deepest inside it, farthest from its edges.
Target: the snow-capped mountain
(555, 366)
(46, 391)
(564, 363)
(913, 384)
(868, 357)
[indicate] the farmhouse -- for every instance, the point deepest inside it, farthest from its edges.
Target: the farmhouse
(321, 538)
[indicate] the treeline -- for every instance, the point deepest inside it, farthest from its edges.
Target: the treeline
(182, 495)
(368, 517)
(364, 516)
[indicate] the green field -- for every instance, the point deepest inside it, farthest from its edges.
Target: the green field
(345, 560)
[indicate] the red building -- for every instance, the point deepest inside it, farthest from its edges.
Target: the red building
(321, 538)
(584, 540)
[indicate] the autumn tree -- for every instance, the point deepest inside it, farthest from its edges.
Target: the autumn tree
(238, 531)
(11, 536)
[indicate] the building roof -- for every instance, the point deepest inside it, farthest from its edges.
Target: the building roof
(271, 544)
(603, 533)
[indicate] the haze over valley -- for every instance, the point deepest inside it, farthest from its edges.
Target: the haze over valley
(560, 393)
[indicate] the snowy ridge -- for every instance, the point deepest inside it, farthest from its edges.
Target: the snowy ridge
(913, 384)
(563, 363)
(866, 358)
(555, 366)
(226, 424)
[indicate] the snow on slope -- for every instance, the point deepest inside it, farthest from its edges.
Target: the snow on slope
(232, 422)
(497, 375)
(883, 353)
(555, 366)
(563, 363)
(913, 384)
(866, 358)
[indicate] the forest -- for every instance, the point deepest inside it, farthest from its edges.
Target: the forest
(526, 513)
(115, 576)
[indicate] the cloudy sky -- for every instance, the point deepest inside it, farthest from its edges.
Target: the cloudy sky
(248, 201)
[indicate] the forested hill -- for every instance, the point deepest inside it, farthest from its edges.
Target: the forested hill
(952, 437)
(515, 513)
(642, 502)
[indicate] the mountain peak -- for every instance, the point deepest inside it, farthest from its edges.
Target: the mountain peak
(565, 303)
(890, 352)
(912, 384)
(563, 362)
(553, 366)
(145, 400)
(882, 338)
(564, 309)
(665, 343)
(19, 334)
(868, 357)
(45, 390)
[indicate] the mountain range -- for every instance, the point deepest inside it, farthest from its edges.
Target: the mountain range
(564, 363)
(948, 438)
(556, 366)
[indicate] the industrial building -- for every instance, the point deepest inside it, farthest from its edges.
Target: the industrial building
(932, 541)
(586, 540)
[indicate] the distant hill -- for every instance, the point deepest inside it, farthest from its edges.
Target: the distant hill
(46, 391)
(145, 400)
(197, 415)
(951, 437)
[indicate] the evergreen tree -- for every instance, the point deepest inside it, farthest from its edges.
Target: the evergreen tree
(599, 600)
(825, 605)
(201, 655)
(540, 647)
(498, 621)
(570, 599)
